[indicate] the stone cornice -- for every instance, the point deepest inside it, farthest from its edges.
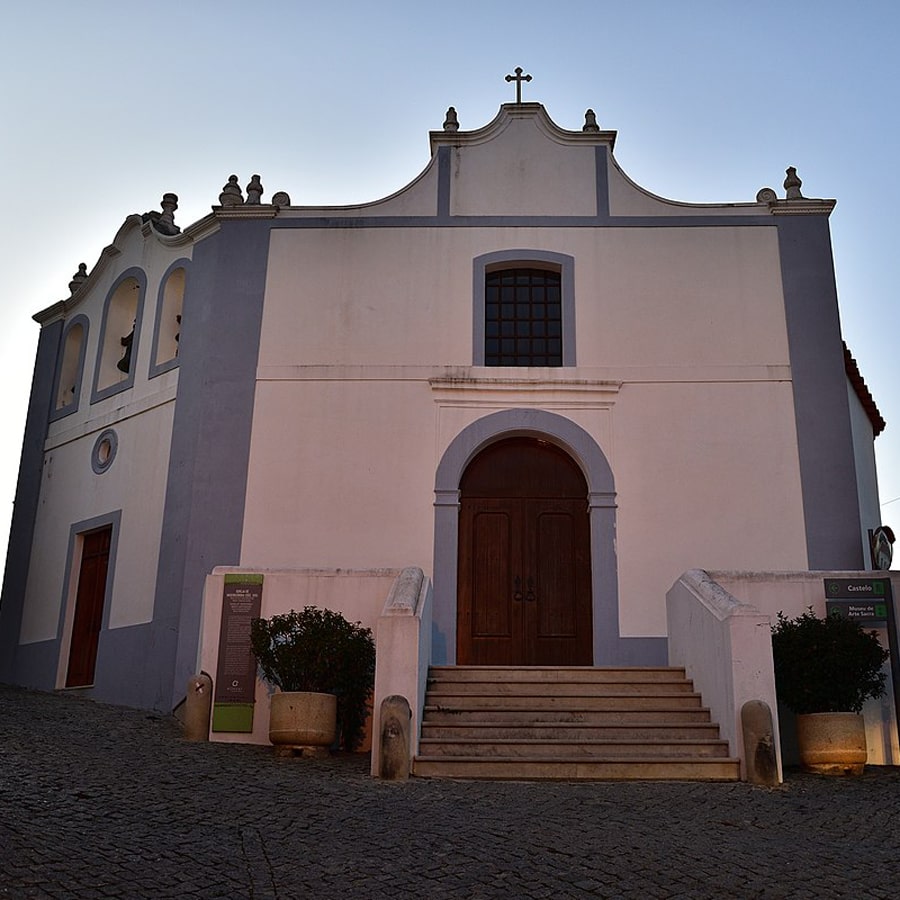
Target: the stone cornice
(246, 211)
(804, 207)
(51, 313)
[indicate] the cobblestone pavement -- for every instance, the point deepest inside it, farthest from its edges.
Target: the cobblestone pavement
(99, 801)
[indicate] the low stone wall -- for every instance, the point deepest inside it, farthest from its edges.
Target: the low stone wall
(725, 647)
(403, 645)
(793, 593)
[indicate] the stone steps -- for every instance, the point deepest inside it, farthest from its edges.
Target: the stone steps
(557, 688)
(568, 723)
(449, 715)
(584, 700)
(518, 747)
(582, 769)
(574, 731)
(584, 674)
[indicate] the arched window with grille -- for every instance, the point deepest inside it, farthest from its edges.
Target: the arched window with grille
(524, 309)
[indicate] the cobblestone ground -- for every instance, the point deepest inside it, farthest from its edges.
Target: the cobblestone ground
(99, 801)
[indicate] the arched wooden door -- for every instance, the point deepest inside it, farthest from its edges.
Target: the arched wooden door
(524, 579)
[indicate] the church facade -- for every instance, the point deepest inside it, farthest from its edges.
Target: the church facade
(549, 389)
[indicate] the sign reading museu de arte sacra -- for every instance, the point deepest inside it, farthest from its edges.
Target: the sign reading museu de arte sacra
(235, 688)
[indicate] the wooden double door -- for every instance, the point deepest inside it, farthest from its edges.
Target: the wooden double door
(524, 577)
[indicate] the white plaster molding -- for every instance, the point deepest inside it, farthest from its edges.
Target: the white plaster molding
(406, 593)
(481, 384)
(200, 229)
(52, 313)
(57, 437)
(303, 570)
(511, 111)
(714, 597)
(63, 307)
(585, 378)
(745, 208)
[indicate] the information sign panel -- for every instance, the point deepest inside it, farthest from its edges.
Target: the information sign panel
(236, 669)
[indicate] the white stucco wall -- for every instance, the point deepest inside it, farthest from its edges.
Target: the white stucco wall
(72, 492)
(646, 299)
(534, 175)
(365, 378)
(866, 473)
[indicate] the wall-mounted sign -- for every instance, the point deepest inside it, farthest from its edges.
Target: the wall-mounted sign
(863, 599)
(869, 613)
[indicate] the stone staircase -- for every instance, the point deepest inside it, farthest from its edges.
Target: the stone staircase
(570, 723)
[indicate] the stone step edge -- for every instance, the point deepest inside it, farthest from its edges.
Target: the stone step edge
(669, 710)
(619, 770)
(496, 761)
(487, 677)
(556, 669)
(621, 742)
(507, 687)
(592, 695)
(660, 726)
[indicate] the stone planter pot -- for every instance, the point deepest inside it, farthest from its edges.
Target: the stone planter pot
(302, 723)
(832, 743)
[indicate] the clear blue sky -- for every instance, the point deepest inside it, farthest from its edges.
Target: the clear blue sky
(107, 105)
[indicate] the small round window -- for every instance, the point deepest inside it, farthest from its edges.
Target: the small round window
(104, 451)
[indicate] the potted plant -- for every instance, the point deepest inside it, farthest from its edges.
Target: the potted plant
(825, 670)
(324, 667)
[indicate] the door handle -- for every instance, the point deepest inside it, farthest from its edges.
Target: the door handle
(530, 595)
(517, 592)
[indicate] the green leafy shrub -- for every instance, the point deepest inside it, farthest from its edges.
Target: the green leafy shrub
(318, 650)
(826, 665)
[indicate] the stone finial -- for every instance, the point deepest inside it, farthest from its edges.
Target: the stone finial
(792, 184)
(590, 121)
(451, 123)
(231, 194)
(281, 198)
(254, 190)
(766, 195)
(78, 278)
(166, 220)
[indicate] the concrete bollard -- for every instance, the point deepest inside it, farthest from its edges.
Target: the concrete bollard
(197, 706)
(759, 743)
(395, 721)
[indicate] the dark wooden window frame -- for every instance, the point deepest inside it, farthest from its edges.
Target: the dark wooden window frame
(523, 317)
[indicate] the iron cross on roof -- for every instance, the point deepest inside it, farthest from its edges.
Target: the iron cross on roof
(518, 78)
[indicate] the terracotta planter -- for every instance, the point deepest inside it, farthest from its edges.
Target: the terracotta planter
(832, 743)
(302, 723)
